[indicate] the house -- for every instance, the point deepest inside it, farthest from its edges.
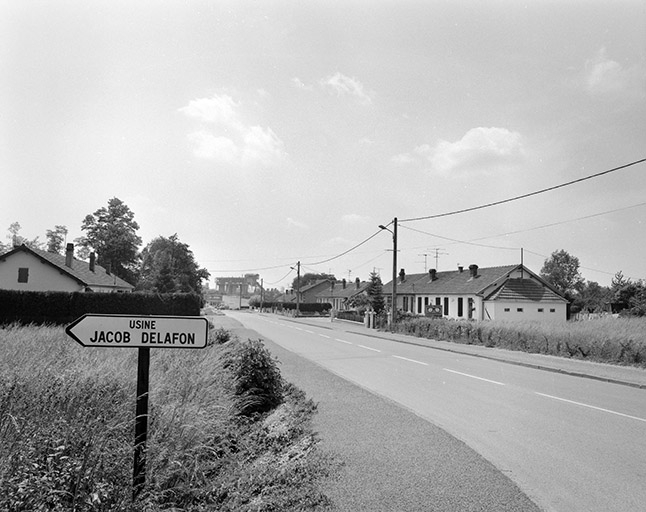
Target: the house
(306, 294)
(340, 294)
(24, 268)
(511, 292)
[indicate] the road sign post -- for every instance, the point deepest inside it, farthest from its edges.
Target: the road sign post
(143, 333)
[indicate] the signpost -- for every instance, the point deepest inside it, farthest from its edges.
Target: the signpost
(143, 333)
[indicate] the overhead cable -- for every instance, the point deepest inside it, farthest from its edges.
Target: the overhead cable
(523, 196)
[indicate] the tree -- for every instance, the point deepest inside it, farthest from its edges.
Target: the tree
(593, 297)
(16, 239)
(168, 265)
(310, 278)
(112, 233)
(375, 294)
(56, 239)
(562, 271)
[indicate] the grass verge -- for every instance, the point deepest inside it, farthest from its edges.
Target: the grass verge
(225, 433)
(619, 341)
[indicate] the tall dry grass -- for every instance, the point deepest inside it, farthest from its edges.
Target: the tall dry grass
(67, 429)
(607, 340)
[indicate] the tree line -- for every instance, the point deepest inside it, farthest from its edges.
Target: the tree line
(165, 265)
(624, 295)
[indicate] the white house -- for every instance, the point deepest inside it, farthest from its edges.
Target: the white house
(29, 269)
(511, 292)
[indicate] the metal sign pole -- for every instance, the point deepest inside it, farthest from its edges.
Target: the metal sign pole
(141, 421)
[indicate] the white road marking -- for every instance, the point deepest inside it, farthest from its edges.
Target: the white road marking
(343, 341)
(411, 360)
(324, 336)
(369, 348)
(474, 377)
(592, 407)
(310, 332)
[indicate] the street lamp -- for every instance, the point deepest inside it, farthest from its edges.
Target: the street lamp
(393, 306)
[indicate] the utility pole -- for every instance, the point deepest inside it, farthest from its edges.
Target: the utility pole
(393, 306)
(298, 289)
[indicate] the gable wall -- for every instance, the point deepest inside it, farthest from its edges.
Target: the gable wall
(42, 276)
(530, 311)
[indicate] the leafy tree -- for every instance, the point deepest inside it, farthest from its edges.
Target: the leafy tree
(168, 265)
(16, 239)
(562, 271)
(56, 239)
(375, 294)
(310, 278)
(593, 297)
(112, 233)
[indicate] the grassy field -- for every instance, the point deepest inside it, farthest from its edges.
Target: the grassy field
(225, 432)
(607, 340)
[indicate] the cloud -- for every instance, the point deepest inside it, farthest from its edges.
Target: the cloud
(297, 224)
(344, 85)
(224, 137)
(479, 150)
(299, 84)
(607, 77)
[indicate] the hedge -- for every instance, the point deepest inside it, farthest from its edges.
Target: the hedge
(304, 307)
(64, 307)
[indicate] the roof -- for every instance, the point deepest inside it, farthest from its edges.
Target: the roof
(80, 270)
(339, 291)
(524, 290)
(451, 282)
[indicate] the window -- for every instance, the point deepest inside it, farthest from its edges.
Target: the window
(446, 306)
(23, 275)
(540, 310)
(520, 310)
(552, 310)
(419, 305)
(507, 310)
(438, 301)
(460, 306)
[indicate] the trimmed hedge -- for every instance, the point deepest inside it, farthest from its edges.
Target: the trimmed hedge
(304, 307)
(64, 307)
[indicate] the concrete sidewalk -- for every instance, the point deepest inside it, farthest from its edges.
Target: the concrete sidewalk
(624, 375)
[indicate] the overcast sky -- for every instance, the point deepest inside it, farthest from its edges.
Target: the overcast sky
(269, 132)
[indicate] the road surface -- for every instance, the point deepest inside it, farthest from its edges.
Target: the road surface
(571, 444)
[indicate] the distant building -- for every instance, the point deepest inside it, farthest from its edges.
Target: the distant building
(29, 269)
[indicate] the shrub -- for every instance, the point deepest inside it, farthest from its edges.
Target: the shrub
(257, 381)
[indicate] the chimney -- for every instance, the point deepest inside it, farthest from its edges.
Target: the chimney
(473, 270)
(460, 268)
(432, 273)
(92, 261)
(69, 255)
(343, 282)
(402, 275)
(108, 268)
(357, 283)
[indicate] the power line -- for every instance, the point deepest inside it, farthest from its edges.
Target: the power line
(516, 198)
(349, 250)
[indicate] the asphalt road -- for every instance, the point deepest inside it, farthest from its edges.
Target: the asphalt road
(571, 444)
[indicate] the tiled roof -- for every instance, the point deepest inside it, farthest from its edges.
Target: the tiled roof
(524, 290)
(80, 270)
(338, 291)
(451, 282)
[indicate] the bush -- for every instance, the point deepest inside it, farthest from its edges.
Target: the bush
(257, 382)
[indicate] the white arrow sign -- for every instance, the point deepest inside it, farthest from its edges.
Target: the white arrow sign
(140, 331)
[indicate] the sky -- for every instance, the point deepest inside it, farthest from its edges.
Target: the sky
(266, 133)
